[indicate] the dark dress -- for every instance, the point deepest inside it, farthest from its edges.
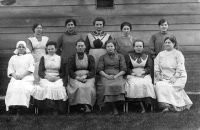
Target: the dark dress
(111, 90)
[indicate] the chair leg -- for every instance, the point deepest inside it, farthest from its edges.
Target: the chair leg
(126, 106)
(100, 108)
(36, 110)
(68, 108)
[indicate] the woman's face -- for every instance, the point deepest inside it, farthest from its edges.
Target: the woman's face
(51, 50)
(138, 47)
(21, 49)
(98, 26)
(110, 48)
(126, 29)
(164, 27)
(80, 47)
(169, 45)
(70, 27)
(38, 30)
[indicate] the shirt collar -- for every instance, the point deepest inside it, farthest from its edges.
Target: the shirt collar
(70, 33)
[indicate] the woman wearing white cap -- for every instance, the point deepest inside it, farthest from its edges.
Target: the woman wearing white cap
(20, 70)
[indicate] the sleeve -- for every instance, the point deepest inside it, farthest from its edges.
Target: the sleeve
(41, 71)
(31, 67)
(10, 68)
(100, 65)
(181, 65)
(148, 66)
(29, 45)
(71, 67)
(91, 67)
(87, 44)
(156, 64)
(62, 69)
(129, 65)
(152, 46)
(59, 45)
(122, 64)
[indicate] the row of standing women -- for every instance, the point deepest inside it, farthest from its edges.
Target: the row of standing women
(102, 70)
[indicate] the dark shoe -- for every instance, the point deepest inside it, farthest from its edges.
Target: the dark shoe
(115, 112)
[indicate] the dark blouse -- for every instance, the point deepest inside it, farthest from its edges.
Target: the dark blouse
(134, 55)
(115, 61)
(42, 68)
(72, 66)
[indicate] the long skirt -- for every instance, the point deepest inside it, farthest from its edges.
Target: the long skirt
(140, 88)
(173, 94)
(81, 93)
(110, 90)
(19, 92)
(97, 53)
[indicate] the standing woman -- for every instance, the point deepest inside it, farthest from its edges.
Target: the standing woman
(110, 86)
(125, 42)
(66, 44)
(170, 78)
(20, 70)
(37, 44)
(95, 41)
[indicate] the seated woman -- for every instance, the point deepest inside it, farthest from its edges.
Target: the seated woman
(81, 89)
(51, 71)
(110, 87)
(170, 78)
(139, 86)
(20, 70)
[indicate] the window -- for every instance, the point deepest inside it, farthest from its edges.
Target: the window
(105, 3)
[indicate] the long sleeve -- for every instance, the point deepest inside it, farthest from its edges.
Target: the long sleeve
(72, 67)
(122, 63)
(100, 65)
(42, 69)
(31, 67)
(181, 65)
(148, 66)
(87, 44)
(59, 45)
(62, 69)
(129, 65)
(91, 67)
(10, 68)
(152, 46)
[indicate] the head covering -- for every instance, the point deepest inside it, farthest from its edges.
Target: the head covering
(23, 43)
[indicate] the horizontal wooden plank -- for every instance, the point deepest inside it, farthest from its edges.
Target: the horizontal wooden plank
(113, 28)
(63, 11)
(110, 20)
(85, 2)
(188, 40)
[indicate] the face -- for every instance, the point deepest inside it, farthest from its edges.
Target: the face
(38, 29)
(21, 49)
(110, 48)
(80, 47)
(98, 25)
(164, 27)
(138, 47)
(70, 26)
(126, 30)
(169, 45)
(51, 50)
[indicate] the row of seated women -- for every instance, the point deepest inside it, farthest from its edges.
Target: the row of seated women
(98, 69)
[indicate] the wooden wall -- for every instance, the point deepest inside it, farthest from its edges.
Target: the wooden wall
(18, 16)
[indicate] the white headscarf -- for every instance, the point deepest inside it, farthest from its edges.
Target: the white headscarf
(23, 43)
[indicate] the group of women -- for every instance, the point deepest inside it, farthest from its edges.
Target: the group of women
(99, 70)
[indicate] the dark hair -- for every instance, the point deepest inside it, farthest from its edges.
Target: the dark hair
(126, 24)
(111, 41)
(79, 40)
(99, 19)
(70, 20)
(172, 39)
(51, 43)
(138, 40)
(35, 26)
(162, 21)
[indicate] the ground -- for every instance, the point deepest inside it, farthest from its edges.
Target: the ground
(186, 120)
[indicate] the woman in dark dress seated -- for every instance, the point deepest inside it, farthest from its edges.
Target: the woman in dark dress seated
(111, 68)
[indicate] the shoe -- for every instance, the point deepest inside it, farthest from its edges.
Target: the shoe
(143, 111)
(87, 109)
(115, 112)
(165, 110)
